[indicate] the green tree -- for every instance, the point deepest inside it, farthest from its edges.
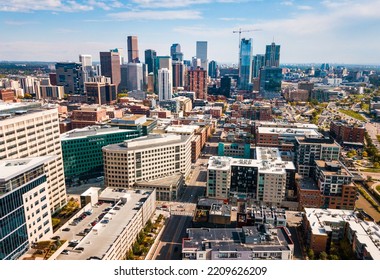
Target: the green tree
(310, 254)
(376, 165)
(323, 255)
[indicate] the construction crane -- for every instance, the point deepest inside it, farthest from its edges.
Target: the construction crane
(241, 31)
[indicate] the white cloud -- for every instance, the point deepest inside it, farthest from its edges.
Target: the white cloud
(156, 15)
(43, 5)
(304, 8)
(287, 3)
(180, 3)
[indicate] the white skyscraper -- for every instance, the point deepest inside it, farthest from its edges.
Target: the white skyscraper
(85, 59)
(202, 54)
(165, 87)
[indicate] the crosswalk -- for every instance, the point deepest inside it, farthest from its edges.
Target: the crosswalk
(181, 213)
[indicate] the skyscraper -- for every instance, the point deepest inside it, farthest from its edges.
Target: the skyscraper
(245, 64)
(110, 66)
(133, 51)
(178, 73)
(150, 57)
(165, 88)
(212, 69)
(85, 59)
(272, 55)
(175, 52)
(258, 63)
(201, 53)
(70, 75)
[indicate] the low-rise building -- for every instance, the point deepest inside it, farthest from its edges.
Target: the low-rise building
(247, 243)
(323, 227)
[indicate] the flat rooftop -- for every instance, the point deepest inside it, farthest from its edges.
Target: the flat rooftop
(91, 131)
(333, 167)
(181, 128)
(11, 168)
(235, 239)
(287, 131)
(307, 184)
(148, 141)
(101, 236)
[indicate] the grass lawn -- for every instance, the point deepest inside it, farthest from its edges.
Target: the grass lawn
(378, 188)
(353, 114)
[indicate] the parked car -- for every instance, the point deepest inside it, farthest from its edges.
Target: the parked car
(66, 229)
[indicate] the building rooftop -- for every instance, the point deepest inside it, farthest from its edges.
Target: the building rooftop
(11, 168)
(148, 141)
(333, 167)
(288, 131)
(91, 131)
(268, 160)
(188, 129)
(118, 213)
(236, 239)
(307, 184)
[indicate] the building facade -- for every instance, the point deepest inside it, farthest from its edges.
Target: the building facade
(29, 130)
(245, 64)
(82, 148)
(24, 205)
(146, 158)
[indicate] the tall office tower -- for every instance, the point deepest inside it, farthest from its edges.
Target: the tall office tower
(133, 50)
(201, 52)
(196, 81)
(110, 66)
(30, 130)
(150, 59)
(272, 55)
(121, 54)
(134, 76)
(85, 59)
(196, 62)
(175, 52)
(70, 75)
(245, 64)
(178, 74)
(165, 89)
(213, 69)
(258, 63)
(100, 93)
(162, 62)
(25, 217)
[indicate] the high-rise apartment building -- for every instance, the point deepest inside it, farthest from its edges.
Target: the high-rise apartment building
(146, 158)
(30, 130)
(201, 53)
(133, 50)
(110, 66)
(196, 81)
(165, 89)
(24, 204)
(245, 64)
(272, 55)
(70, 75)
(310, 149)
(267, 178)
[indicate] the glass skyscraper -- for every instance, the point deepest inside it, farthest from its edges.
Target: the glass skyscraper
(272, 55)
(245, 64)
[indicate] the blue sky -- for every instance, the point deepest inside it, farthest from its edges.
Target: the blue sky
(334, 31)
